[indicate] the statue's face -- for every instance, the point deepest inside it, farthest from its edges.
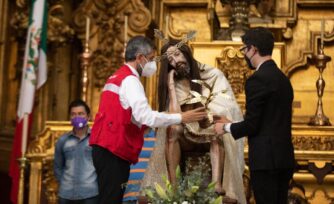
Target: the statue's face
(177, 60)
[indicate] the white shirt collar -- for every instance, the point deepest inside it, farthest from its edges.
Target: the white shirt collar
(134, 71)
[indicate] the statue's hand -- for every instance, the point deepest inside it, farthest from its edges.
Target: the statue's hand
(221, 119)
(170, 79)
(219, 128)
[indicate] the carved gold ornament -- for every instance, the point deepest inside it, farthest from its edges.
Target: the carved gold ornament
(59, 31)
(234, 67)
(108, 32)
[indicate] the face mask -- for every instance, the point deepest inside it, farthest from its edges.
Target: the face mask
(249, 64)
(149, 69)
(79, 122)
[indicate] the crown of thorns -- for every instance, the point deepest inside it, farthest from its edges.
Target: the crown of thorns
(160, 35)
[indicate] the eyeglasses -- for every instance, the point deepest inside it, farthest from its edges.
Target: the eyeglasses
(149, 59)
(243, 49)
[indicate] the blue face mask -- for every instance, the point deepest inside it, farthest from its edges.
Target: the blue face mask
(79, 122)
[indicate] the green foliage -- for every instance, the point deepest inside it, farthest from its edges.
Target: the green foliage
(190, 187)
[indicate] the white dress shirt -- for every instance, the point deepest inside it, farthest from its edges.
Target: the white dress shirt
(132, 94)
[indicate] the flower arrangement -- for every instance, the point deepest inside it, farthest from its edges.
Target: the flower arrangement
(189, 189)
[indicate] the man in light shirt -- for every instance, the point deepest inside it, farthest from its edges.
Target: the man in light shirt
(123, 115)
(73, 166)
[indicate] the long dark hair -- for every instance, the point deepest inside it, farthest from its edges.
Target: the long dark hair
(166, 67)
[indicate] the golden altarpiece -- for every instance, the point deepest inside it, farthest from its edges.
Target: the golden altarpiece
(301, 29)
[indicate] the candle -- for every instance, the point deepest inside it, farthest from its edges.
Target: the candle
(167, 19)
(125, 29)
(322, 34)
(87, 28)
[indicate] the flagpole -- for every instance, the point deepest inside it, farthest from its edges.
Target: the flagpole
(31, 73)
(24, 134)
(23, 160)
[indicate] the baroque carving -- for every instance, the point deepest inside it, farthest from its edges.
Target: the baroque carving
(49, 181)
(108, 19)
(321, 191)
(296, 194)
(265, 7)
(20, 19)
(314, 143)
(257, 8)
(43, 142)
(239, 17)
(235, 69)
(59, 31)
(242, 14)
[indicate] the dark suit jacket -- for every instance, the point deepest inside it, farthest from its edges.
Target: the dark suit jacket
(267, 122)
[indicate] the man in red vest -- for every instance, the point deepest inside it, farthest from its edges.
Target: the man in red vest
(123, 115)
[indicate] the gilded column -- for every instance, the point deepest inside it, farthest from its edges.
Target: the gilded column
(3, 36)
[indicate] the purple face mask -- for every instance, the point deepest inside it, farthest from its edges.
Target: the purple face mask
(79, 122)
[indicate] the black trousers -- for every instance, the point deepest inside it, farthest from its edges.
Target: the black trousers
(112, 175)
(93, 200)
(271, 186)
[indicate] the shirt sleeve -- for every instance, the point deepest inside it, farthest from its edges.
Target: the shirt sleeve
(58, 165)
(228, 127)
(133, 92)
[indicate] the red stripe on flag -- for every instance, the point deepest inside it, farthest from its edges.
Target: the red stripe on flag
(14, 170)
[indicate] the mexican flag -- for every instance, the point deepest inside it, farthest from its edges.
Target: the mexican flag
(34, 75)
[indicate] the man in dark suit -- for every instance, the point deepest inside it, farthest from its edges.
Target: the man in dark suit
(267, 122)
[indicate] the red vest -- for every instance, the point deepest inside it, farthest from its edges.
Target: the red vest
(112, 127)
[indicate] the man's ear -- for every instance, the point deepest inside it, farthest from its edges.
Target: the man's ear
(139, 56)
(255, 49)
